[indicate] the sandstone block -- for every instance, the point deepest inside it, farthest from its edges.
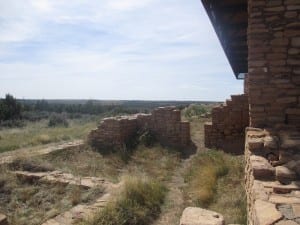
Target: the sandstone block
(281, 199)
(296, 210)
(266, 213)
(255, 144)
(261, 168)
(199, 216)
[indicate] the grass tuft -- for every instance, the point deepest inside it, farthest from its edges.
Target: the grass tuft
(139, 203)
(215, 181)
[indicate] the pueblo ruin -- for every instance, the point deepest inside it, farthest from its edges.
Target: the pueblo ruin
(261, 39)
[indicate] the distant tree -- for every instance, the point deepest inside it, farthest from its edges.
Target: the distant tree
(42, 105)
(10, 109)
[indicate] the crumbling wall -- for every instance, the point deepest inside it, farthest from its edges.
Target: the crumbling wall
(272, 176)
(273, 53)
(227, 129)
(164, 122)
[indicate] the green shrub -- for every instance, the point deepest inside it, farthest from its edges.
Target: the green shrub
(195, 111)
(10, 109)
(138, 204)
(58, 120)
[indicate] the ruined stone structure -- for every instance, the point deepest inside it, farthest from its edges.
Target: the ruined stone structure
(274, 73)
(272, 175)
(226, 131)
(261, 38)
(164, 123)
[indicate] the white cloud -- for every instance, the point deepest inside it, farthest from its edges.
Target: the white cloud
(138, 49)
(128, 4)
(42, 5)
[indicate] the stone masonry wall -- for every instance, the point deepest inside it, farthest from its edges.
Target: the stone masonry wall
(164, 122)
(272, 176)
(274, 62)
(227, 129)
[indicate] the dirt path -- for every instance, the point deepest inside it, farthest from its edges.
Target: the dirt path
(175, 202)
(8, 157)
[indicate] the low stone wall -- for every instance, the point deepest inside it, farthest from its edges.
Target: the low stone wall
(227, 129)
(272, 176)
(164, 122)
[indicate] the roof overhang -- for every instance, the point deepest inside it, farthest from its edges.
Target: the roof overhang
(230, 20)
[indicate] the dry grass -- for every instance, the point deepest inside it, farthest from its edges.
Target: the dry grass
(215, 181)
(154, 162)
(38, 133)
(31, 203)
(139, 203)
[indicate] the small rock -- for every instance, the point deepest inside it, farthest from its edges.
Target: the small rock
(199, 216)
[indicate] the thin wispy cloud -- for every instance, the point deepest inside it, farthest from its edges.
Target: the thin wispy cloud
(111, 49)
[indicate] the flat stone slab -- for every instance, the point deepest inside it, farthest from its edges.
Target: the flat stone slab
(199, 216)
(262, 169)
(65, 178)
(266, 213)
(281, 188)
(79, 212)
(281, 199)
(8, 157)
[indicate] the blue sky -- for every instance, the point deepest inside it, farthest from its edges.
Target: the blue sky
(111, 49)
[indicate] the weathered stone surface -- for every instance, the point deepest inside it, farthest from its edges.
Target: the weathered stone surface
(256, 144)
(266, 213)
(261, 168)
(60, 177)
(281, 199)
(164, 123)
(271, 142)
(3, 220)
(286, 222)
(199, 216)
(280, 188)
(296, 210)
(229, 120)
(285, 175)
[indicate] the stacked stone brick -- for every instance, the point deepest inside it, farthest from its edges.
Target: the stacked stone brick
(274, 104)
(274, 62)
(272, 176)
(227, 129)
(165, 123)
(113, 131)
